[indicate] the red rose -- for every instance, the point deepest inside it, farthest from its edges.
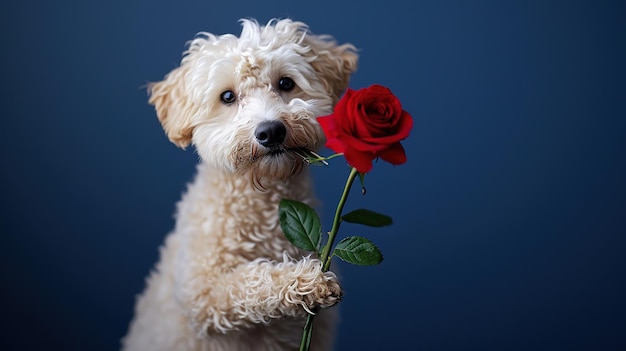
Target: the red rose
(367, 124)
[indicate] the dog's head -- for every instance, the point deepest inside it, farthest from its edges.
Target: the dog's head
(248, 103)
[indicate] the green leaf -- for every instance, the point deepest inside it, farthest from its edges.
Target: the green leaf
(300, 224)
(367, 217)
(358, 250)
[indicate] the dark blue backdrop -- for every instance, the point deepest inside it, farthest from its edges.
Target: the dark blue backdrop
(509, 215)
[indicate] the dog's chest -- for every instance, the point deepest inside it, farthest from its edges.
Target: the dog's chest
(236, 222)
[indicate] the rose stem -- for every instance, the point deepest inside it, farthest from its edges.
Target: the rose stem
(325, 257)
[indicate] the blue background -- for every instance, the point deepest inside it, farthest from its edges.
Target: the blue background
(509, 214)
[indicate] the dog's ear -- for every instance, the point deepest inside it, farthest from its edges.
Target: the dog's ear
(173, 106)
(334, 63)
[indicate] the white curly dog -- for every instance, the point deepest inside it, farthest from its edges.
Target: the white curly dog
(227, 278)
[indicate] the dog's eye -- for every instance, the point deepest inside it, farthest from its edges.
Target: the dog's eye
(228, 97)
(286, 84)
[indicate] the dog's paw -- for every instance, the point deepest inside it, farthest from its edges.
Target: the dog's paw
(315, 290)
(327, 293)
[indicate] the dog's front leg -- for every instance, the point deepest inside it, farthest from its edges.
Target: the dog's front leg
(262, 290)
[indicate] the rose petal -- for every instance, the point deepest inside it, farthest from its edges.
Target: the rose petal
(364, 146)
(329, 125)
(341, 112)
(394, 155)
(335, 144)
(402, 132)
(362, 161)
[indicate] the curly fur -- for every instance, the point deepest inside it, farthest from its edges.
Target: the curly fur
(227, 278)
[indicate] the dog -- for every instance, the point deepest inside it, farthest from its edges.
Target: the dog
(227, 278)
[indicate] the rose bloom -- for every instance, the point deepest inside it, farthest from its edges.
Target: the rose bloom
(367, 124)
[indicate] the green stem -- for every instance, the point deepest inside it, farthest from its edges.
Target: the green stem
(306, 336)
(318, 158)
(333, 156)
(325, 256)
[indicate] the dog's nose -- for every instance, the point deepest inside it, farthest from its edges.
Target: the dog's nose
(270, 133)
